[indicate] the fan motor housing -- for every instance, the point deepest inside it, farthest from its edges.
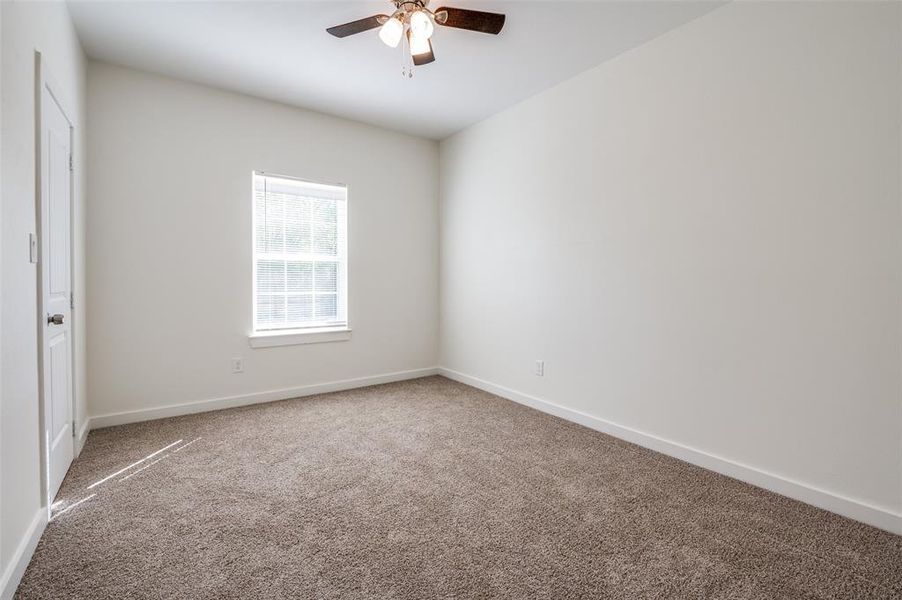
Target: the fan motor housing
(410, 4)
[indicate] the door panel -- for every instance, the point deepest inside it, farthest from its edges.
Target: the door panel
(56, 281)
(59, 419)
(59, 213)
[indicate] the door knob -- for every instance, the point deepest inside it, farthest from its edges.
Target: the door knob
(56, 319)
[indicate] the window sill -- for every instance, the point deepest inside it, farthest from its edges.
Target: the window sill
(294, 337)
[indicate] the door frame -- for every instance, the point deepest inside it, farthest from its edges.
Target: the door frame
(45, 83)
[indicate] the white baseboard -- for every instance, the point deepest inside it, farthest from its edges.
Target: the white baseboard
(22, 556)
(81, 436)
(174, 410)
(847, 507)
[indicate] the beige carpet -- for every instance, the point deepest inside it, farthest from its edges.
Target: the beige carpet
(428, 489)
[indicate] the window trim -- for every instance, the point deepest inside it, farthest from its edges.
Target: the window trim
(265, 338)
(294, 337)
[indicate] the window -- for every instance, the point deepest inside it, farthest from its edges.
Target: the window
(300, 256)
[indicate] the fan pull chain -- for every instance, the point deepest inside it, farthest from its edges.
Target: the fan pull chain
(406, 57)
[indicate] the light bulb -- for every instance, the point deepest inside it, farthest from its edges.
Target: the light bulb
(419, 44)
(421, 24)
(391, 32)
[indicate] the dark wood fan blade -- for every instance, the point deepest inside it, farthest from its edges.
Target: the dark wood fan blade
(473, 20)
(358, 26)
(425, 58)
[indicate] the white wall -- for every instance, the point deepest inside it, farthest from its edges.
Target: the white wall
(169, 245)
(702, 240)
(27, 27)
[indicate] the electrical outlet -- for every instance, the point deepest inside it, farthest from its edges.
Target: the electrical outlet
(540, 368)
(237, 365)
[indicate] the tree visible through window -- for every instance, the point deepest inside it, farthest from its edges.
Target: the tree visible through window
(300, 254)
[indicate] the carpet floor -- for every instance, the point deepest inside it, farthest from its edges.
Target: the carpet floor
(428, 489)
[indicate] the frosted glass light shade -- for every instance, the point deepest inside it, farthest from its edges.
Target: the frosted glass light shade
(421, 24)
(419, 44)
(391, 32)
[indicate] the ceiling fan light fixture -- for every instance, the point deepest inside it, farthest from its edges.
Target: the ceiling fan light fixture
(421, 24)
(413, 19)
(391, 31)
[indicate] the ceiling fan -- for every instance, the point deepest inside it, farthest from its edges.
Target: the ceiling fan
(412, 20)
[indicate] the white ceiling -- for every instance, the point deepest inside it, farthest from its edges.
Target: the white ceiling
(281, 51)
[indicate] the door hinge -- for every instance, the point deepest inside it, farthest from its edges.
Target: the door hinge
(71, 168)
(71, 299)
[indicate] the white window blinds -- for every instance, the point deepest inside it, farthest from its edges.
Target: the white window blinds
(300, 254)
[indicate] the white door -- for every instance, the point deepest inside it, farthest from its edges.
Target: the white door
(56, 286)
